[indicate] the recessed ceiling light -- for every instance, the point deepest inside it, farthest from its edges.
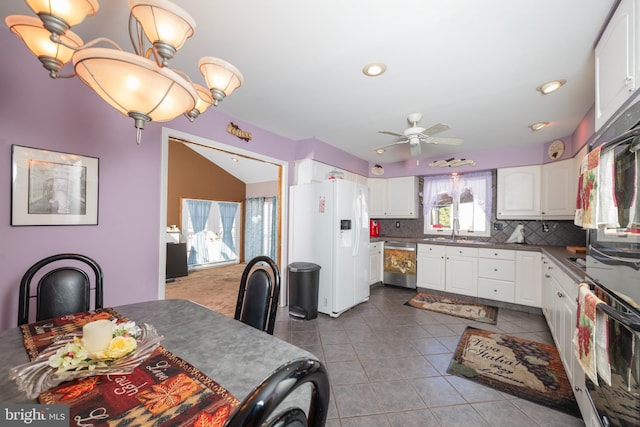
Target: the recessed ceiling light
(551, 86)
(374, 69)
(537, 126)
(380, 150)
(235, 159)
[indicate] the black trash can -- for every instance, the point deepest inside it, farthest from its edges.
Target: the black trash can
(303, 279)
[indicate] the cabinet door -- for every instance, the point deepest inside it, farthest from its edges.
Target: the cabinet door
(431, 272)
(375, 263)
(377, 197)
(519, 192)
(528, 278)
(462, 275)
(559, 187)
(402, 197)
(615, 63)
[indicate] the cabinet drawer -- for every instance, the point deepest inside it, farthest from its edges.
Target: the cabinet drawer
(432, 250)
(496, 253)
(462, 251)
(500, 269)
(498, 290)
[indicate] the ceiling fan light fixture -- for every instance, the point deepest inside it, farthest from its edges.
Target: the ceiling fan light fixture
(539, 125)
(550, 87)
(374, 69)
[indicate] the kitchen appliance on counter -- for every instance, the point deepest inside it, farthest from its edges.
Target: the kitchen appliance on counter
(330, 227)
(400, 268)
(374, 228)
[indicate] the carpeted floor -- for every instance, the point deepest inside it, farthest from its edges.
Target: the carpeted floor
(216, 288)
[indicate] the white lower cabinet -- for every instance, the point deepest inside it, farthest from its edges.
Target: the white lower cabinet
(559, 306)
(375, 262)
(448, 268)
(496, 274)
(462, 270)
(528, 278)
(431, 261)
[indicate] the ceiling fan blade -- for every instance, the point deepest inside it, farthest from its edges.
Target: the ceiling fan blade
(436, 129)
(384, 147)
(388, 132)
(444, 141)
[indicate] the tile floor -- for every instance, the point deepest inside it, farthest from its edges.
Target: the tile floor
(387, 364)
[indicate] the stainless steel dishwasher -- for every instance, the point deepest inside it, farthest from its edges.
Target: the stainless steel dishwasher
(400, 264)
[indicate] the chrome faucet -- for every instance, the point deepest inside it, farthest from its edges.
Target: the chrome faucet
(455, 228)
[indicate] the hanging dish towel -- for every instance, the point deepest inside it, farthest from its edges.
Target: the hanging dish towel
(607, 207)
(587, 186)
(590, 338)
(634, 211)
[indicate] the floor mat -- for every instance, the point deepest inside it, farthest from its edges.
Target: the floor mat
(526, 369)
(455, 307)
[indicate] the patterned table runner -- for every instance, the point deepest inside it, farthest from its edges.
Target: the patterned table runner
(164, 390)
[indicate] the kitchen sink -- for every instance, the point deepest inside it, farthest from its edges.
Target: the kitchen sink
(465, 241)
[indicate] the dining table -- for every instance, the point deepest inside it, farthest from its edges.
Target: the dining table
(236, 356)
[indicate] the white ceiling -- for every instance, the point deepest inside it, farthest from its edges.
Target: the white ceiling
(247, 170)
(471, 64)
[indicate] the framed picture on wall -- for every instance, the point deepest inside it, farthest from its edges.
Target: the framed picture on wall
(53, 188)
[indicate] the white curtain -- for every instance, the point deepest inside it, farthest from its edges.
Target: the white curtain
(199, 214)
(480, 185)
(261, 222)
(227, 216)
(254, 227)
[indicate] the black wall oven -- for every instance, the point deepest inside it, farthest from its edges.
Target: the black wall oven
(613, 263)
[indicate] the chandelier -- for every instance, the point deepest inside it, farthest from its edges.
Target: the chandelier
(140, 85)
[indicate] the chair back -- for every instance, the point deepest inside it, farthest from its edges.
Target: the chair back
(258, 294)
(260, 404)
(62, 290)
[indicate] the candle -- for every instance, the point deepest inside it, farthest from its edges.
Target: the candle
(97, 335)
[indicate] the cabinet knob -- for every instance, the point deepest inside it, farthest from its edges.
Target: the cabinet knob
(576, 388)
(547, 276)
(560, 295)
(495, 290)
(495, 269)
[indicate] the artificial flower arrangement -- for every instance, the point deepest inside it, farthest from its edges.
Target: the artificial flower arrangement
(74, 356)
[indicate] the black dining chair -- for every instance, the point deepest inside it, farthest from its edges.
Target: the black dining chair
(258, 407)
(258, 295)
(64, 287)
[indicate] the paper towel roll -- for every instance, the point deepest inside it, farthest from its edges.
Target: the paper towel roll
(518, 235)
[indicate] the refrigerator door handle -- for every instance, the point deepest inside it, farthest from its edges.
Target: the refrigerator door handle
(356, 229)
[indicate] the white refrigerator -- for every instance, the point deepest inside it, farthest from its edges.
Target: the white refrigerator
(329, 226)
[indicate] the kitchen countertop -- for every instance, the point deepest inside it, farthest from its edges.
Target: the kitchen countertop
(559, 254)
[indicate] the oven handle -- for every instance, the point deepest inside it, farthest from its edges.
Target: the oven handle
(611, 260)
(630, 320)
(399, 248)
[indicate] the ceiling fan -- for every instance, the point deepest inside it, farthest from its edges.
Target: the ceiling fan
(416, 135)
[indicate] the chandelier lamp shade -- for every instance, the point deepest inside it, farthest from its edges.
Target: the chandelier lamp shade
(140, 85)
(37, 38)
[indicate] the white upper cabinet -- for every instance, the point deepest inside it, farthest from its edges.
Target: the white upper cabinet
(559, 189)
(394, 197)
(519, 192)
(616, 60)
(537, 192)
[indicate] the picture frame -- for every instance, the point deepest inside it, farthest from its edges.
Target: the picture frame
(53, 188)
